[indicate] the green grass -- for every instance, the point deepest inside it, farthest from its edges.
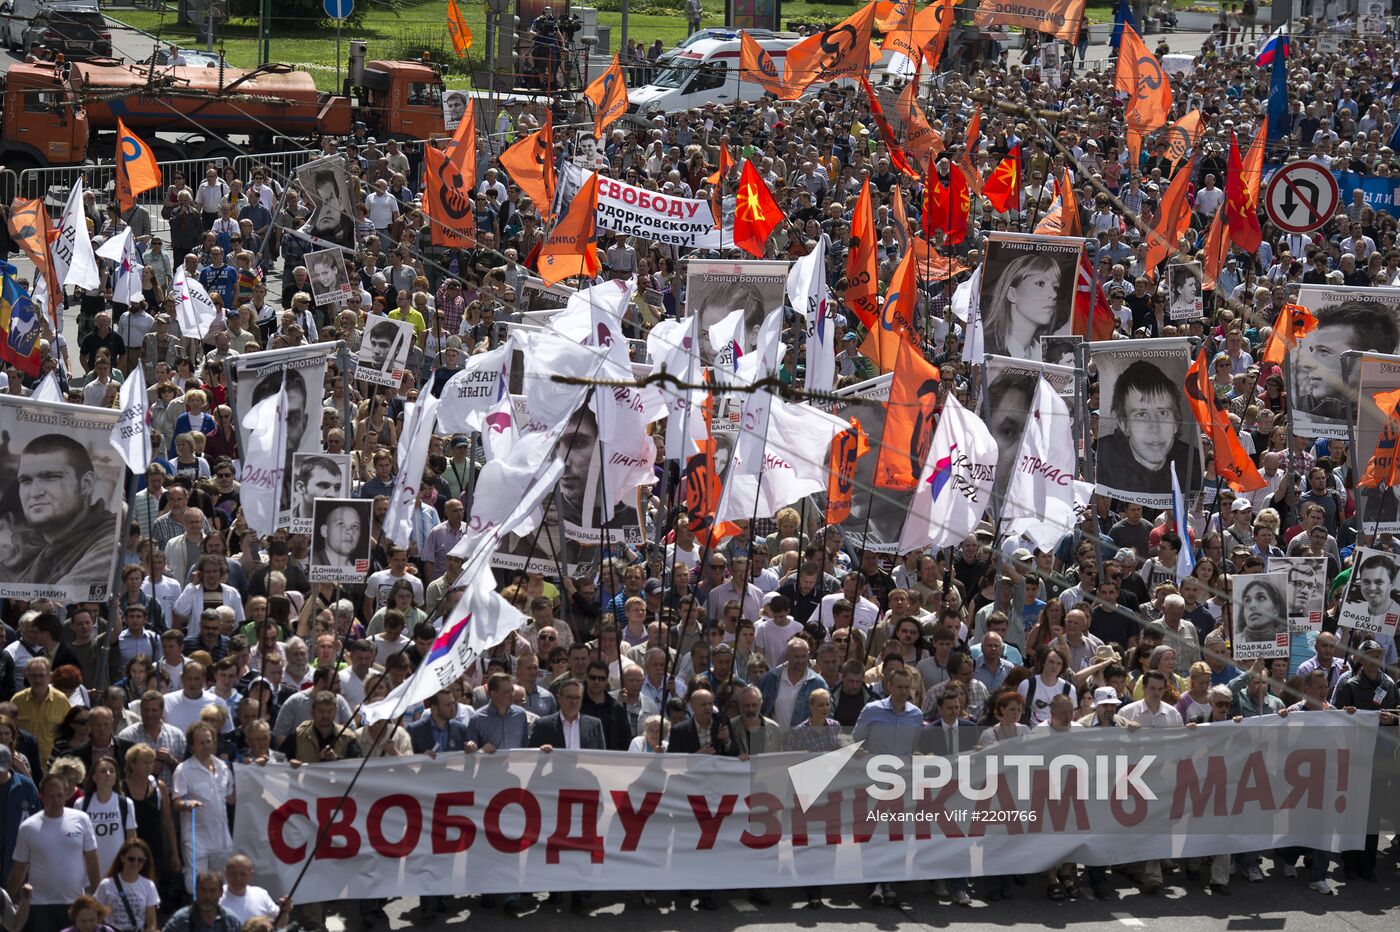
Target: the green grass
(419, 22)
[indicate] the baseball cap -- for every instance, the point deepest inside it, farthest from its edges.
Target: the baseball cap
(1106, 695)
(1241, 504)
(652, 586)
(461, 440)
(850, 335)
(1371, 647)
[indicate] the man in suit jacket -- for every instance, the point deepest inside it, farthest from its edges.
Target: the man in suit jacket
(949, 733)
(568, 728)
(704, 732)
(440, 730)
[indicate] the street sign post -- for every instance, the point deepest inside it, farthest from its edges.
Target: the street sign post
(338, 10)
(1301, 197)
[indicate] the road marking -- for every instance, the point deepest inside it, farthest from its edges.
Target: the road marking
(1131, 922)
(743, 906)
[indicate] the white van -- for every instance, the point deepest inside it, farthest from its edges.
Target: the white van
(705, 71)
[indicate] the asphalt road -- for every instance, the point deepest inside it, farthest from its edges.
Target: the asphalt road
(1276, 905)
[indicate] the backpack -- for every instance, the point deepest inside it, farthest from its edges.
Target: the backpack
(1030, 696)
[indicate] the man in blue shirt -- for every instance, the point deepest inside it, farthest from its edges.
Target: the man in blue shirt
(890, 726)
(217, 277)
(501, 725)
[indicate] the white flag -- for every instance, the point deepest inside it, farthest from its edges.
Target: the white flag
(546, 355)
(509, 490)
(1039, 499)
(678, 347)
(967, 296)
(974, 347)
(73, 261)
(806, 291)
(194, 309)
(753, 424)
(955, 484)
(418, 420)
(479, 621)
(48, 390)
(790, 469)
(727, 339)
(131, 435)
(264, 459)
(468, 395)
(126, 281)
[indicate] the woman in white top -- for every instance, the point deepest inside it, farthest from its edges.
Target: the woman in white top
(1007, 711)
(653, 736)
(113, 815)
(1049, 682)
(129, 889)
(203, 789)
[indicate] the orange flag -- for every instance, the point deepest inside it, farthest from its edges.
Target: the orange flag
(896, 322)
(932, 266)
(902, 230)
(1183, 136)
(756, 214)
(1232, 463)
(447, 200)
(1140, 76)
(1069, 205)
(968, 163)
(463, 142)
(890, 14)
(608, 92)
(756, 65)
(716, 182)
(702, 493)
(1217, 250)
(1381, 467)
(530, 164)
(1093, 318)
(922, 141)
(137, 171)
(1242, 192)
(909, 420)
(569, 249)
(932, 26)
(1293, 323)
(897, 158)
(1173, 219)
(29, 228)
(840, 52)
(847, 448)
(860, 261)
(1003, 187)
(457, 26)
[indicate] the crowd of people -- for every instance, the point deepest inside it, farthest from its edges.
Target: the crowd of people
(120, 722)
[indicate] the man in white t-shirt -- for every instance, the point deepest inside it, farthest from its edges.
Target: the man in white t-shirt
(183, 706)
(241, 897)
(49, 845)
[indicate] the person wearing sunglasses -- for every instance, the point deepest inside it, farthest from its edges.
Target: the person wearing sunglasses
(129, 889)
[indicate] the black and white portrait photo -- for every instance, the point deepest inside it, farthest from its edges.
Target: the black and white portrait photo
(1324, 382)
(1369, 604)
(581, 487)
(1378, 378)
(1307, 590)
(885, 508)
(1259, 603)
(1058, 350)
(60, 498)
(383, 350)
(1144, 423)
(330, 279)
(340, 541)
(315, 476)
(1027, 292)
(259, 376)
(1011, 385)
(716, 288)
(327, 190)
(454, 107)
(1184, 300)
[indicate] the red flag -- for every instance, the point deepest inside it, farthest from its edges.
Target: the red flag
(1381, 469)
(896, 322)
(861, 281)
(946, 207)
(847, 448)
(1003, 186)
(569, 249)
(1293, 323)
(1093, 318)
(909, 420)
(897, 158)
(1232, 463)
(756, 214)
(716, 182)
(1241, 197)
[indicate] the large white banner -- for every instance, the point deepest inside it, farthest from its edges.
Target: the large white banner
(596, 820)
(662, 218)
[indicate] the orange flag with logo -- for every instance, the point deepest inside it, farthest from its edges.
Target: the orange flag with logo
(1183, 136)
(530, 164)
(1173, 219)
(703, 487)
(860, 261)
(933, 266)
(1381, 467)
(847, 448)
(29, 228)
(932, 25)
(608, 92)
(1003, 187)
(460, 31)
(1139, 75)
(1232, 463)
(716, 182)
(1217, 250)
(1293, 323)
(569, 249)
(447, 201)
(968, 163)
(896, 322)
(921, 139)
(909, 420)
(840, 52)
(756, 214)
(756, 65)
(137, 171)
(897, 158)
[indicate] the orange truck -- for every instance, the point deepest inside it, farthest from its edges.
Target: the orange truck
(66, 114)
